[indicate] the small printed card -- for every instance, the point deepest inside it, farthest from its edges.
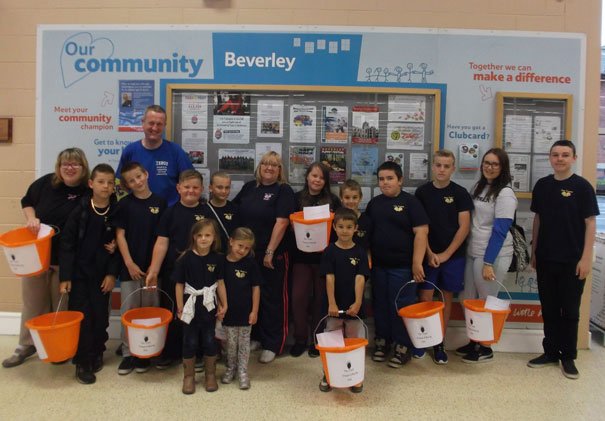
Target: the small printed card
(493, 303)
(147, 322)
(332, 339)
(311, 213)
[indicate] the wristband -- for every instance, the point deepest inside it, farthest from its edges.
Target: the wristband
(268, 252)
(487, 264)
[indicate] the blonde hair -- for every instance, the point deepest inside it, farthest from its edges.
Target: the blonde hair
(271, 155)
(444, 153)
(244, 234)
(200, 225)
(74, 155)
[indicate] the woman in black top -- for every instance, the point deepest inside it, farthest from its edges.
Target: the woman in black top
(265, 204)
(49, 200)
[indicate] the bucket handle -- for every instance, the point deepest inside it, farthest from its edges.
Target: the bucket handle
(63, 294)
(148, 288)
(340, 313)
(414, 281)
(505, 289)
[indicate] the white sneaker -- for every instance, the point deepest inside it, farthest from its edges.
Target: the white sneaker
(254, 345)
(266, 356)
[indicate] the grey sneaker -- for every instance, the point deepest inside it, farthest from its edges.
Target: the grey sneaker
(20, 355)
(266, 356)
(380, 350)
(401, 356)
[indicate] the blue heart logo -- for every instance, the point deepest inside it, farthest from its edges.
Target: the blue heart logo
(78, 47)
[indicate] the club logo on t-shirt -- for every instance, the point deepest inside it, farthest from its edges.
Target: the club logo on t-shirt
(240, 273)
(72, 196)
(210, 267)
(448, 199)
(154, 209)
(228, 216)
(398, 208)
(566, 193)
(361, 233)
(198, 217)
(268, 196)
(354, 261)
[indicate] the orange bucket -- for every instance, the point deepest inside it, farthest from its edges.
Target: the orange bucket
(312, 235)
(146, 340)
(344, 366)
(26, 254)
(483, 325)
(423, 321)
(56, 335)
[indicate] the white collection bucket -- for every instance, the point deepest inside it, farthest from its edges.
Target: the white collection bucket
(483, 324)
(423, 321)
(311, 235)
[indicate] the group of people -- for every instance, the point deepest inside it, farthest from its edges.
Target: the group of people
(234, 261)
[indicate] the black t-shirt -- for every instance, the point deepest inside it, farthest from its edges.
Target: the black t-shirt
(139, 218)
(228, 215)
(345, 265)
(240, 278)
(562, 207)
(175, 224)
(393, 220)
(260, 206)
(199, 272)
(52, 205)
(443, 207)
(312, 258)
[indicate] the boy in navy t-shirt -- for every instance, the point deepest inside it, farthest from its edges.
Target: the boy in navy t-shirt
(448, 206)
(345, 267)
(398, 245)
(136, 221)
(563, 236)
(172, 240)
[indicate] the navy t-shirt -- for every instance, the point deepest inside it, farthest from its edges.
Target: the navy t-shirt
(228, 215)
(260, 206)
(345, 265)
(563, 207)
(199, 272)
(139, 218)
(175, 224)
(393, 220)
(240, 278)
(443, 207)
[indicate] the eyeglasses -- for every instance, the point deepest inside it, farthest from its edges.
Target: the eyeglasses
(270, 164)
(70, 165)
(491, 164)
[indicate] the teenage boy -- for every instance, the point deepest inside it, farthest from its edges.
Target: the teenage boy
(398, 245)
(344, 264)
(88, 266)
(136, 222)
(448, 206)
(173, 235)
(563, 235)
(220, 208)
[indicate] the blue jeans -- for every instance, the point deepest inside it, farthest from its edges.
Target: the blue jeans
(386, 283)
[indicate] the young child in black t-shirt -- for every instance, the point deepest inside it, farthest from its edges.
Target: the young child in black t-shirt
(173, 234)
(136, 221)
(88, 266)
(345, 267)
(198, 275)
(242, 282)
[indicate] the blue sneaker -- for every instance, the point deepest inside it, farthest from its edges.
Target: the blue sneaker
(439, 354)
(418, 353)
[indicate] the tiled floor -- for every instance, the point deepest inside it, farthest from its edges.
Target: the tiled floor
(288, 389)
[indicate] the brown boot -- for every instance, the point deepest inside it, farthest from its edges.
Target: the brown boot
(210, 374)
(189, 376)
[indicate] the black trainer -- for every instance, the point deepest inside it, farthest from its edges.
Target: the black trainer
(84, 374)
(162, 363)
(142, 365)
(97, 364)
(380, 350)
(401, 356)
(313, 352)
(298, 349)
(481, 354)
(463, 350)
(126, 366)
(324, 386)
(542, 361)
(568, 367)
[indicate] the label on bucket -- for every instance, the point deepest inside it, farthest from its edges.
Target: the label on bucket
(311, 238)
(38, 344)
(146, 342)
(479, 325)
(23, 260)
(426, 331)
(346, 369)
